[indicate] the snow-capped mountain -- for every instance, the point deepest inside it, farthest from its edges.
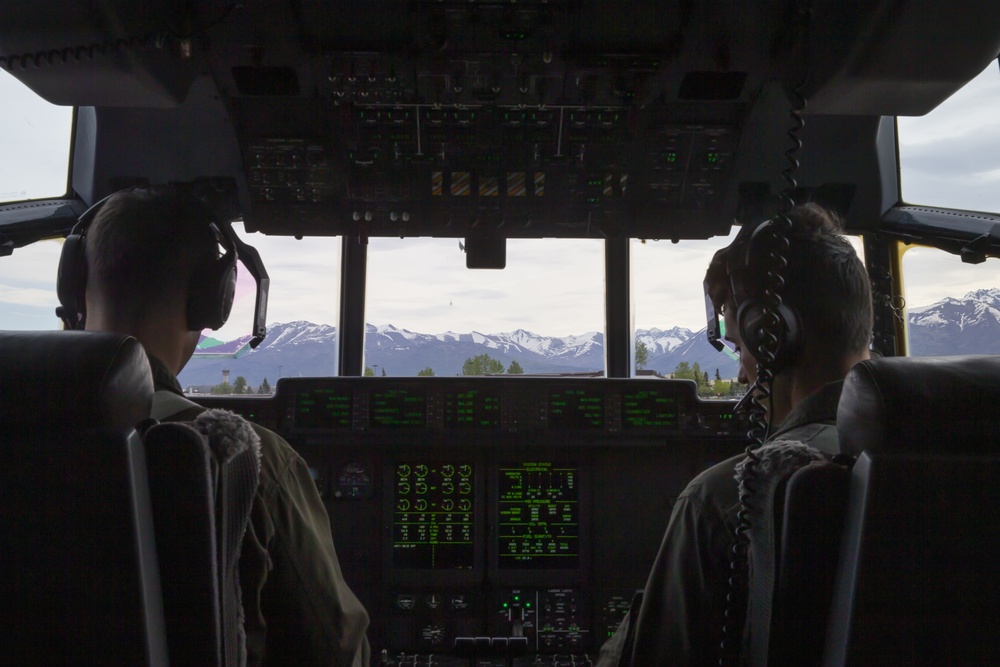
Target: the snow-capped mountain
(969, 325)
(301, 349)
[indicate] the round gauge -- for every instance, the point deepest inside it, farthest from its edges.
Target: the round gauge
(353, 482)
(403, 470)
(420, 505)
(447, 470)
(421, 488)
(464, 488)
(433, 600)
(433, 634)
(465, 471)
(403, 488)
(447, 488)
(465, 504)
(421, 470)
(403, 505)
(447, 504)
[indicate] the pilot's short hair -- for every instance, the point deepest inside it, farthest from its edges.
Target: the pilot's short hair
(143, 246)
(825, 281)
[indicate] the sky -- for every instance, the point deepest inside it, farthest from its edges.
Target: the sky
(951, 157)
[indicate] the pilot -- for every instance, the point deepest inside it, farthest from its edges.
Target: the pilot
(826, 327)
(143, 252)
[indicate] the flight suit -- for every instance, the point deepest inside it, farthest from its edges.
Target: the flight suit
(680, 620)
(298, 609)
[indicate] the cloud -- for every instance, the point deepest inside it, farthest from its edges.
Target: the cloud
(480, 294)
(27, 296)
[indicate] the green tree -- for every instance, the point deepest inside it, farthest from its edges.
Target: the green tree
(265, 387)
(721, 387)
(515, 369)
(683, 371)
(641, 354)
(426, 373)
(223, 388)
(717, 376)
(369, 373)
(383, 372)
(482, 364)
(240, 386)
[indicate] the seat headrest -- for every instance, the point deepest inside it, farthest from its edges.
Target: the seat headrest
(73, 379)
(928, 405)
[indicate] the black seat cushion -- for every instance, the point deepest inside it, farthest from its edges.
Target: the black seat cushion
(929, 405)
(76, 379)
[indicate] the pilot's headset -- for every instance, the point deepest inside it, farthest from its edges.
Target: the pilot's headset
(745, 259)
(210, 292)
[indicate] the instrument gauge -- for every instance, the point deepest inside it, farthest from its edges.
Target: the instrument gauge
(354, 482)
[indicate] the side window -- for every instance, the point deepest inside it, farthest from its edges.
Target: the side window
(28, 287)
(35, 136)
(950, 158)
(951, 308)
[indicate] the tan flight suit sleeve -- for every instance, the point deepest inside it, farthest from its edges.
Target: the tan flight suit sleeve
(312, 617)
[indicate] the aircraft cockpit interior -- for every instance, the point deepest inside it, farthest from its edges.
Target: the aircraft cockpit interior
(502, 521)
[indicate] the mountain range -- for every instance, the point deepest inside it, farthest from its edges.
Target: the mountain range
(969, 325)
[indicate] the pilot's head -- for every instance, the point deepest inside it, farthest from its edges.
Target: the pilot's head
(826, 292)
(142, 250)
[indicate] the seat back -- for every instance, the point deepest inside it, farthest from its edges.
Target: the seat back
(811, 521)
(916, 583)
(76, 540)
(795, 517)
(203, 477)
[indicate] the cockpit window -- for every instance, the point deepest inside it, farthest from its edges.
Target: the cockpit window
(427, 313)
(951, 157)
(670, 310)
(35, 141)
(302, 315)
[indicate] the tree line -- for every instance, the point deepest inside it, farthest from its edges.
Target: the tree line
(481, 364)
(241, 386)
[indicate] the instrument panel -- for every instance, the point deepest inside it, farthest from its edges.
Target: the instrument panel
(496, 521)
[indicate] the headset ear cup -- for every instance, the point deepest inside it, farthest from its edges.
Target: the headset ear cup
(211, 294)
(71, 277)
(750, 320)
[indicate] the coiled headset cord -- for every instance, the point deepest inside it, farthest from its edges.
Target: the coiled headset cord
(762, 402)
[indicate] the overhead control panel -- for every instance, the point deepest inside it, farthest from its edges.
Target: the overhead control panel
(520, 143)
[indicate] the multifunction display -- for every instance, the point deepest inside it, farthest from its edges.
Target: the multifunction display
(323, 408)
(472, 408)
(539, 524)
(400, 407)
(434, 506)
(649, 408)
(576, 408)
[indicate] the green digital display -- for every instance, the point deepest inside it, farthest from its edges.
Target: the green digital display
(433, 516)
(539, 525)
(323, 408)
(472, 409)
(576, 408)
(395, 408)
(649, 408)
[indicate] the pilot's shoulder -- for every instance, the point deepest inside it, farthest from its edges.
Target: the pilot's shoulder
(713, 481)
(277, 457)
